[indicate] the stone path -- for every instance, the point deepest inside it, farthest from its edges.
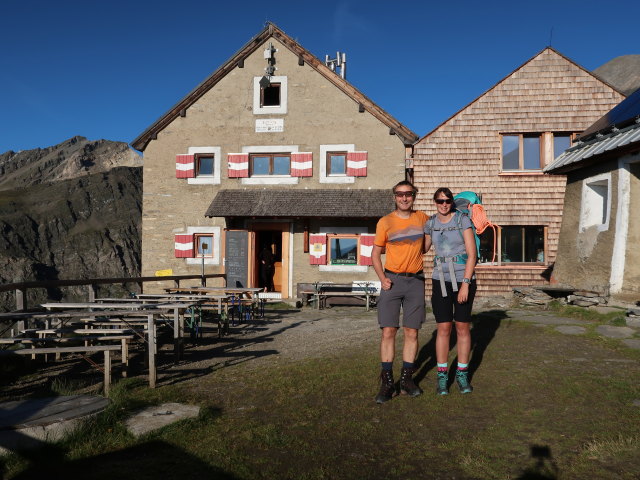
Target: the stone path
(630, 334)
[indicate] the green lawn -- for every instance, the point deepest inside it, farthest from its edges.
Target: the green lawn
(545, 406)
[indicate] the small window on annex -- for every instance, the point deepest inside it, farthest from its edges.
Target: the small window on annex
(204, 164)
(204, 245)
(522, 244)
(343, 249)
(270, 95)
(270, 164)
(336, 163)
(595, 207)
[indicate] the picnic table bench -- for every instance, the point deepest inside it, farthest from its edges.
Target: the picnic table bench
(366, 291)
(107, 349)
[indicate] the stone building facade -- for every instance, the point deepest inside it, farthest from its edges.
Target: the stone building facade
(230, 155)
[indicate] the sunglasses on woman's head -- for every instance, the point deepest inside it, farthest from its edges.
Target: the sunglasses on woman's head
(440, 201)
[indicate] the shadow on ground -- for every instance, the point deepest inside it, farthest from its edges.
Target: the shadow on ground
(153, 460)
(485, 325)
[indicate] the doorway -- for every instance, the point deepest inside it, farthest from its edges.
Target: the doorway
(271, 246)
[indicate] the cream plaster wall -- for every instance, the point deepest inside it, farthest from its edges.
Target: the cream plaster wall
(318, 113)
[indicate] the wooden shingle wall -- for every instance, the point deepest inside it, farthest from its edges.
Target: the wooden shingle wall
(547, 94)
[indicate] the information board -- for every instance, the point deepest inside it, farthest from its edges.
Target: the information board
(236, 258)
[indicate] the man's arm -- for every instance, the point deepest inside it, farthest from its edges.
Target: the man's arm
(376, 258)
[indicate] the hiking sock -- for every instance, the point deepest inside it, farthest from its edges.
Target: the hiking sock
(463, 367)
(443, 367)
(387, 365)
(407, 364)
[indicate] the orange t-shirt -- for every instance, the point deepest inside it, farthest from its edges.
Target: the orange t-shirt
(404, 241)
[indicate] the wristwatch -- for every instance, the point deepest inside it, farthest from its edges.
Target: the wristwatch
(466, 280)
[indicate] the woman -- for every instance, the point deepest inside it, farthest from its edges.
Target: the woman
(453, 284)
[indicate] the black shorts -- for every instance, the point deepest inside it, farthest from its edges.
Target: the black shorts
(447, 309)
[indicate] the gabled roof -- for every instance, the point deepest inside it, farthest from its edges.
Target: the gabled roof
(271, 30)
(509, 75)
(329, 203)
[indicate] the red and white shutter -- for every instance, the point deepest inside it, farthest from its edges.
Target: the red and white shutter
(357, 164)
(238, 165)
(366, 248)
(302, 164)
(184, 166)
(318, 249)
(184, 246)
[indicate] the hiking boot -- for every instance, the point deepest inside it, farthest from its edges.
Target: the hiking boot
(407, 385)
(443, 378)
(462, 379)
(387, 387)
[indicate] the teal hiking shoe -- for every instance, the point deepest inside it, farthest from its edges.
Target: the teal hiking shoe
(443, 378)
(462, 379)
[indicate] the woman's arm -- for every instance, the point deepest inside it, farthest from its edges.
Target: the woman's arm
(472, 257)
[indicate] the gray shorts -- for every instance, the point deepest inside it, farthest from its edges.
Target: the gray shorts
(406, 292)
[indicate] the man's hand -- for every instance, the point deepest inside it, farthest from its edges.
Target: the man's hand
(386, 283)
(463, 293)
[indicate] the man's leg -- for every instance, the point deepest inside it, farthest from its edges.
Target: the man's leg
(389, 321)
(412, 320)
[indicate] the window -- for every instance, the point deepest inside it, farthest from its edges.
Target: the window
(270, 95)
(522, 244)
(204, 245)
(596, 202)
(204, 164)
(561, 142)
(521, 152)
(270, 164)
(336, 163)
(343, 249)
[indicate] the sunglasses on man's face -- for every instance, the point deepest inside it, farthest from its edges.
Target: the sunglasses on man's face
(440, 201)
(404, 194)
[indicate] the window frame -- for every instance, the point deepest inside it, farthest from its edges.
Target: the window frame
(499, 247)
(196, 245)
(331, 236)
(196, 164)
(262, 92)
(271, 156)
(328, 159)
(521, 137)
(587, 195)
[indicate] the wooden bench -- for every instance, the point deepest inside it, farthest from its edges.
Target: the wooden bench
(366, 291)
(107, 349)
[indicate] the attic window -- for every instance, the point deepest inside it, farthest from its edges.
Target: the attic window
(270, 95)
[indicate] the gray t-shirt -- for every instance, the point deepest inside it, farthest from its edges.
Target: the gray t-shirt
(448, 242)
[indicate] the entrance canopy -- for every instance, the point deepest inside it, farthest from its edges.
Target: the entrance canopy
(302, 203)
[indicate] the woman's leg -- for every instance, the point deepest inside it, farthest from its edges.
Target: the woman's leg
(463, 332)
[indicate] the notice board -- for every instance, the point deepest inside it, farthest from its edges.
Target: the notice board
(237, 258)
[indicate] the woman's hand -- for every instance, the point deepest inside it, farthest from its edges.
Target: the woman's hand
(463, 293)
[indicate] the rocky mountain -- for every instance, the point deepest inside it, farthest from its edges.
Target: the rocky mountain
(69, 211)
(621, 72)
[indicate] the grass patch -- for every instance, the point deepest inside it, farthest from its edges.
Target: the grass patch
(617, 318)
(536, 412)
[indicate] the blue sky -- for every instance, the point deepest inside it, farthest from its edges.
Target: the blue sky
(109, 69)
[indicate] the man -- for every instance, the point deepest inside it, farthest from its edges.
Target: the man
(266, 268)
(401, 235)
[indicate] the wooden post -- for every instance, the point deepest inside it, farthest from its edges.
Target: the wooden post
(92, 292)
(177, 336)
(125, 357)
(107, 372)
(21, 299)
(151, 336)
